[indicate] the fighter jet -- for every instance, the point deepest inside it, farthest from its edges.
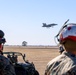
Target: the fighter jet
(48, 25)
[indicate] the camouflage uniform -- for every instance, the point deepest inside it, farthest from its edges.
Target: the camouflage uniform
(64, 64)
(6, 67)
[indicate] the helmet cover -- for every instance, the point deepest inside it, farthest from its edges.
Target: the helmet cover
(68, 32)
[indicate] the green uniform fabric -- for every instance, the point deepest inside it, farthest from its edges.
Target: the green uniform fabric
(64, 64)
(6, 67)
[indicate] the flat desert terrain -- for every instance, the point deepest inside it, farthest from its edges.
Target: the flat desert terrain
(40, 56)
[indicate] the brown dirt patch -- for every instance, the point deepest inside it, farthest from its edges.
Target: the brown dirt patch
(39, 56)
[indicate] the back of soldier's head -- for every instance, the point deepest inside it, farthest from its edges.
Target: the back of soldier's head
(1, 34)
(70, 45)
(2, 39)
(68, 37)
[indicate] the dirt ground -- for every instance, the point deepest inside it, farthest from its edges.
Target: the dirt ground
(40, 56)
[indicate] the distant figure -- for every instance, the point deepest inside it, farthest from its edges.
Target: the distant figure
(65, 63)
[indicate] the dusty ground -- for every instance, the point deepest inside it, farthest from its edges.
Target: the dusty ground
(39, 56)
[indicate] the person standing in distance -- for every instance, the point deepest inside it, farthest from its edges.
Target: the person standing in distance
(65, 63)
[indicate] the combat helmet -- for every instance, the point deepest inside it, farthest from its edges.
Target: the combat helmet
(67, 36)
(1, 34)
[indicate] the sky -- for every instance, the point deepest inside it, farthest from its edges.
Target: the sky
(21, 20)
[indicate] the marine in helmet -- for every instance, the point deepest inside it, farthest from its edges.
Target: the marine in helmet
(6, 67)
(65, 63)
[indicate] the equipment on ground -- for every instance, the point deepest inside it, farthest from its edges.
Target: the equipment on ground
(21, 68)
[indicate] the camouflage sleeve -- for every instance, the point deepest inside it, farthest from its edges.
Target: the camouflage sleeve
(48, 67)
(72, 71)
(6, 68)
(9, 70)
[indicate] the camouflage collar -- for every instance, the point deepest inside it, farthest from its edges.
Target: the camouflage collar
(69, 54)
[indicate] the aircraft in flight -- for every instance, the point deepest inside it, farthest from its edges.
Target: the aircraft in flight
(48, 25)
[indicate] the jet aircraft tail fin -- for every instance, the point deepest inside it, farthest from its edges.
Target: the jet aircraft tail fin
(44, 24)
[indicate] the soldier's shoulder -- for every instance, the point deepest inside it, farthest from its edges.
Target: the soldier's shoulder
(71, 71)
(56, 59)
(4, 60)
(3, 57)
(6, 66)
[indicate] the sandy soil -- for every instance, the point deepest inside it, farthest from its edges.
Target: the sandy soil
(39, 56)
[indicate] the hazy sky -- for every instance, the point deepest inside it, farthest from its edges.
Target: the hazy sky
(21, 20)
